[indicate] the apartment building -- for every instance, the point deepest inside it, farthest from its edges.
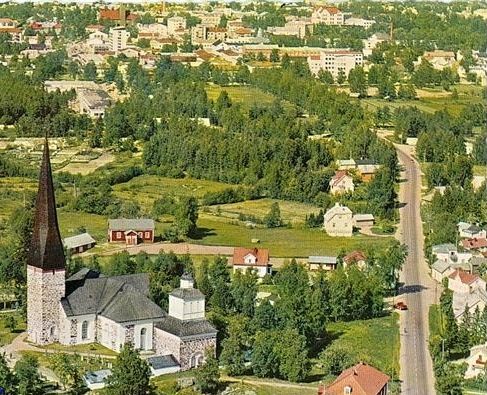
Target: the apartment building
(335, 61)
(292, 28)
(175, 23)
(119, 37)
(328, 16)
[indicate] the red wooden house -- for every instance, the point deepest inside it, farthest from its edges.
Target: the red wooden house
(131, 231)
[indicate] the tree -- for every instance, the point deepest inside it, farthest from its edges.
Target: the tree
(381, 195)
(10, 322)
(221, 296)
(325, 76)
(26, 372)
(335, 359)
(130, 373)
(7, 378)
(89, 72)
(358, 81)
(186, 215)
(244, 291)
(406, 92)
(293, 355)
(273, 218)
(207, 376)
(265, 360)
(121, 263)
(235, 345)
(341, 77)
(451, 378)
(274, 56)
(67, 368)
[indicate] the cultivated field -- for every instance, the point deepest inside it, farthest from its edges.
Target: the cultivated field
(85, 168)
(245, 95)
(293, 212)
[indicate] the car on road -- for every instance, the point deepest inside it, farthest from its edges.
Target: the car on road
(401, 306)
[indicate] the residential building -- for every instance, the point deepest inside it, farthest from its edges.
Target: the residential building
(79, 243)
(335, 61)
(131, 231)
(10, 26)
(361, 379)
(120, 16)
(256, 259)
(341, 183)
(367, 169)
(469, 291)
(365, 23)
(119, 37)
(476, 361)
(113, 311)
(338, 221)
(346, 164)
(328, 16)
(175, 23)
(475, 244)
(439, 59)
(297, 28)
(93, 102)
(446, 259)
(373, 41)
(471, 231)
(322, 262)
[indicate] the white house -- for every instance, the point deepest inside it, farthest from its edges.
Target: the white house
(328, 16)
(256, 259)
(471, 231)
(341, 183)
(476, 361)
(338, 221)
(469, 291)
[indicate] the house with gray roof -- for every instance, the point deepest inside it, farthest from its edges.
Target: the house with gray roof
(131, 231)
(79, 243)
(316, 262)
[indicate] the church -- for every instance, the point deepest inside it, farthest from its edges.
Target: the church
(89, 307)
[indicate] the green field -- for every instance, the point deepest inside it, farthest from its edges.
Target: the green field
(375, 341)
(245, 95)
(467, 95)
(147, 188)
(293, 212)
(282, 242)
(93, 348)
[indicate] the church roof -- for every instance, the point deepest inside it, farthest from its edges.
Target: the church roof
(119, 298)
(186, 328)
(46, 249)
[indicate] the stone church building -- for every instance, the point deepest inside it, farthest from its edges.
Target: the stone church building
(89, 307)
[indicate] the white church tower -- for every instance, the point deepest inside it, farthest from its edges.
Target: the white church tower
(186, 302)
(46, 265)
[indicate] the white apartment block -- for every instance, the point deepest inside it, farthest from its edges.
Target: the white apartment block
(328, 16)
(119, 37)
(334, 61)
(292, 28)
(175, 23)
(365, 23)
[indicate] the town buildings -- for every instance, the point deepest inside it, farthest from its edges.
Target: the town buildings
(336, 61)
(256, 259)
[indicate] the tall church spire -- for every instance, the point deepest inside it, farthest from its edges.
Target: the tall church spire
(46, 249)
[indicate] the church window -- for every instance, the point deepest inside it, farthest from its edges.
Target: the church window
(143, 334)
(84, 330)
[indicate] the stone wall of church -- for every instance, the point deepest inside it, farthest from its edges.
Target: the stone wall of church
(166, 343)
(45, 288)
(193, 351)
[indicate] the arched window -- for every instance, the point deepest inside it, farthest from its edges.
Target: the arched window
(84, 330)
(197, 359)
(143, 334)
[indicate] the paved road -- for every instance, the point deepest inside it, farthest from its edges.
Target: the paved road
(418, 290)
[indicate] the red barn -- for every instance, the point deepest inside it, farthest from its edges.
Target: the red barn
(131, 231)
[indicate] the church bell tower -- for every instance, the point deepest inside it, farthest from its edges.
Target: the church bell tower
(46, 265)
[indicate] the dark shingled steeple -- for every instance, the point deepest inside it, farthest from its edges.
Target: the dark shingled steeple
(46, 249)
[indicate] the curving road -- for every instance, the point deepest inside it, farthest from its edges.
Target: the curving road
(418, 290)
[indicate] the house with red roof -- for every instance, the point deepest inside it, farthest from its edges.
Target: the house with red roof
(256, 259)
(469, 291)
(461, 281)
(341, 183)
(475, 244)
(328, 16)
(361, 379)
(120, 16)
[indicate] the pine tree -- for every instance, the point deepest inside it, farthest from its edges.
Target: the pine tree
(207, 376)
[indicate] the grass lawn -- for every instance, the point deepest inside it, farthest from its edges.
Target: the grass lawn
(293, 212)
(13, 190)
(71, 221)
(376, 341)
(245, 95)
(147, 188)
(6, 335)
(282, 242)
(468, 94)
(479, 170)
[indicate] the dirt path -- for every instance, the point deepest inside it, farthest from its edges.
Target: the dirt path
(273, 383)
